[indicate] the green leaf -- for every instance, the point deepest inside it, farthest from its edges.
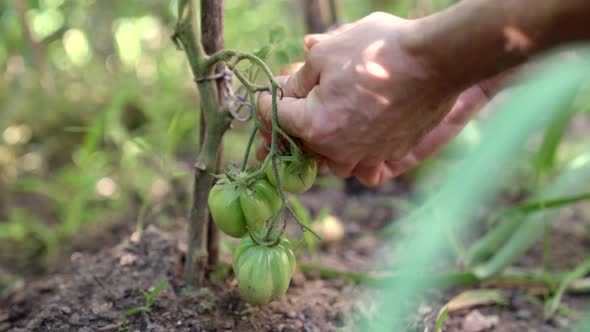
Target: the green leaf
(552, 305)
(508, 240)
(135, 310)
(152, 295)
(282, 57)
(442, 316)
(294, 46)
(277, 34)
(529, 207)
(262, 52)
(551, 140)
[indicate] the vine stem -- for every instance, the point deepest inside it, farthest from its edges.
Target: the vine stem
(215, 121)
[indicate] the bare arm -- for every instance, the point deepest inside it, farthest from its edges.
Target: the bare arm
(475, 39)
(382, 94)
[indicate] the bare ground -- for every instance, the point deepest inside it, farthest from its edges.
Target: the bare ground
(93, 290)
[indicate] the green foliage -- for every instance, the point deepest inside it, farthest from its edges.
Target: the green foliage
(531, 106)
(441, 319)
(305, 217)
(150, 299)
(552, 306)
(547, 154)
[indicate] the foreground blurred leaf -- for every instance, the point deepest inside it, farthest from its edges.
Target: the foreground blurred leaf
(529, 107)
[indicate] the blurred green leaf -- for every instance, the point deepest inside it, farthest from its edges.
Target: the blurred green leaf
(277, 35)
(551, 140)
(552, 306)
(282, 57)
(262, 52)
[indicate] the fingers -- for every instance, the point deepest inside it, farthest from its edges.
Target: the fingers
(303, 80)
(464, 109)
(369, 175)
(310, 40)
(341, 170)
(294, 114)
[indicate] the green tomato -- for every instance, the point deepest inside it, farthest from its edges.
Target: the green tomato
(263, 272)
(235, 207)
(259, 202)
(224, 205)
(296, 177)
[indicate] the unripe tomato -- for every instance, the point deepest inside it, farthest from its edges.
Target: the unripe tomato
(224, 205)
(259, 202)
(263, 272)
(296, 177)
(235, 207)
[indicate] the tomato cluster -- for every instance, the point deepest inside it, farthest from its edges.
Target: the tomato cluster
(239, 204)
(235, 206)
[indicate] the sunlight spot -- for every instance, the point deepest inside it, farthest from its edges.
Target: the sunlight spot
(6, 155)
(128, 40)
(106, 187)
(44, 22)
(17, 134)
(372, 49)
(377, 70)
(383, 100)
(580, 161)
(77, 47)
(516, 39)
(372, 67)
(31, 161)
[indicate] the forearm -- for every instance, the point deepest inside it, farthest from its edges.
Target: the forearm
(476, 39)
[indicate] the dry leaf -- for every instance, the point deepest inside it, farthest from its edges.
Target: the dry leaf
(476, 322)
(472, 298)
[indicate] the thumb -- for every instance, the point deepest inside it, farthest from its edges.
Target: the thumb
(294, 115)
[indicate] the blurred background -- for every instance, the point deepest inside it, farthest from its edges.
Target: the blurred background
(99, 116)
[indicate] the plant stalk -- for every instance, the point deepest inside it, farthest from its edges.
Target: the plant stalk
(214, 122)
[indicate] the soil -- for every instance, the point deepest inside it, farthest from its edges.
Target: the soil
(92, 291)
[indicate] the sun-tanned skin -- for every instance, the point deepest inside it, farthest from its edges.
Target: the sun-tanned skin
(380, 95)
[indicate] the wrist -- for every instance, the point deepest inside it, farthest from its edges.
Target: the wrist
(430, 55)
(463, 44)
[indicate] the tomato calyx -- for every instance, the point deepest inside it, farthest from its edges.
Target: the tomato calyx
(270, 242)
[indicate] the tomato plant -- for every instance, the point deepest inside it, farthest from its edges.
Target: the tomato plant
(263, 272)
(244, 202)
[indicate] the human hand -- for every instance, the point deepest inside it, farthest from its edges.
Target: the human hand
(363, 100)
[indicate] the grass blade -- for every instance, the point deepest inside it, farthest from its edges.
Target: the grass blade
(552, 305)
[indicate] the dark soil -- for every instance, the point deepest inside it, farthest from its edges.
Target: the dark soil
(93, 291)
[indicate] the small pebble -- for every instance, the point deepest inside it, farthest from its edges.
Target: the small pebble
(311, 327)
(291, 314)
(66, 310)
(524, 314)
(307, 312)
